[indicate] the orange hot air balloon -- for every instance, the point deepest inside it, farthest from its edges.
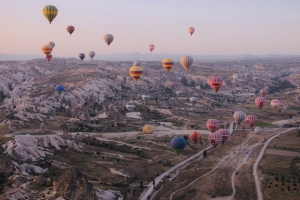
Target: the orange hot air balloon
(215, 83)
(212, 125)
(275, 103)
(151, 47)
(167, 63)
(70, 29)
(48, 57)
(47, 49)
(251, 120)
(195, 137)
(225, 135)
(191, 30)
(260, 102)
(186, 62)
(136, 72)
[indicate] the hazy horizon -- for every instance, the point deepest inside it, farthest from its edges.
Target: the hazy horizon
(231, 28)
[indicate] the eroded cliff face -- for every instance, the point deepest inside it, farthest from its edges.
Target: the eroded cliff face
(74, 185)
(6, 165)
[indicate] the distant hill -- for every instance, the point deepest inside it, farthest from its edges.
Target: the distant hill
(148, 57)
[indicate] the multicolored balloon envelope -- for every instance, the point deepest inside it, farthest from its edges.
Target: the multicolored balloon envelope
(136, 72)
(195, 137)
(215, 83)
(191, 30)
(178, 144)
(275, 103)
(260, 102)
(167, 63)
(212, 125)
(215, 139)
(108, 38)
(70, 29)
(50, 12)
(251, 120)
(151, 47)
(225, 135)
(47, 49)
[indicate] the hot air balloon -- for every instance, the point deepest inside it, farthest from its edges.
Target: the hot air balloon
(52, 44)
(260, 101)
(225, 134)
(263, 92)
(255, 91)
(257, 130)
(251, 120)
(191, 30)
(178, 144)
(50, 12)
(186, 62)
(147, 129)
(255, 79)
(167, 63)
(48, 57)
(108, 38)
(246, 76)
(215, 139)
(172, 84)
(151, 47)
(70, 29)
(91, 54)
(137, 63)
(146, 97)
(136, 72)
(81, 56)
(195, 137)
(275, 103)
(47, 49)
(212, 125)
(178, 92)
(215, 82)
(239, 117)
(130, 106)
(59, 88)
(193, 100)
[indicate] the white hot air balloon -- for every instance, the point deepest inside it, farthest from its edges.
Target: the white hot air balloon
(239, 117)
(257, 130)
(91, 54)
(193, 100)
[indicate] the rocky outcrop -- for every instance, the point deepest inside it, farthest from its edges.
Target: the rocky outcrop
(74, 185)
(6, 165)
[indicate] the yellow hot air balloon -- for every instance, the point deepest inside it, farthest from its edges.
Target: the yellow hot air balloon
(147, 129)
(50, 12)
(167, 63)
(136, 72)
(47, 49)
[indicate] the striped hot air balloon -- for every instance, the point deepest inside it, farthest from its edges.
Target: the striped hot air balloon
(81, 56)
(263, 92)
(147, 129)
(47, 49)
(212, 125)
(195, 137)
(151, 47)
(48, 57)
(215, 83)
(275, 103)
(91, 54)
(50, 12)
(178, 144)
(136, 72)
(251, 120)
(193, 100)
(167, 63)
(186, 62)
(52, 44)
(257, 130)
(225, 134)
(215, 139)
(191, 30)
(239, 117)
(260, 102)
(108, 38)
(70, 29)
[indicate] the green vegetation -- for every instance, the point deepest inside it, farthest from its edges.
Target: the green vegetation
(262, 124)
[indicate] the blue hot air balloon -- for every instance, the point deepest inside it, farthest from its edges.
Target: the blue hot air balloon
(59, 88)
(178, 144)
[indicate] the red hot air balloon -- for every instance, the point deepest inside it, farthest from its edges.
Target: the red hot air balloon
(212, 125)
(48, 57)
(151, 47)
(260, 102)
(215, 82)
(70, 29)
(191, 30)
(275, 103)
(215, 139)
(225, 134)
(263, 92)
(195, 137)
(251, 120)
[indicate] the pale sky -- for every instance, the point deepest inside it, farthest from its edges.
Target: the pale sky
(223, 27)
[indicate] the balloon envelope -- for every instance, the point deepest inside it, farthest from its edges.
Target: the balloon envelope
(167, 63)
(212, 125)
(191, 30)
(136, 72)
(195, 137)
(186, 62)
(50, 12)
(59, 88)
(151, 47)
(52, 44)
(178, 144)
(225, 134)
(251, 120)
(108, 38)
(91, 54)
(81, 56)
(70, 29)
(47, 49)
(239, 117)
(215, 138)
(147, 129)
(257, 130)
